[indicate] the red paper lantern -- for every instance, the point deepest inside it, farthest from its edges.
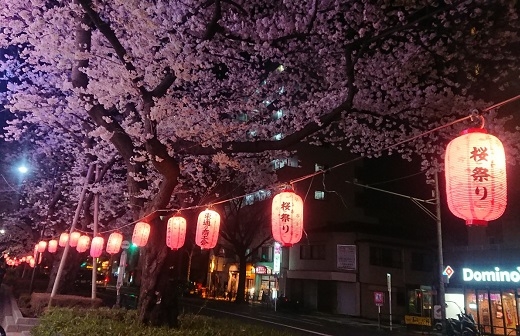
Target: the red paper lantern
(175, 232)
(141, 234)
(42, 245)
(287, 218)
(64, 238)
(96, 248)
(208, 225)
(83, 244)
(114, 242)
(53, 246)
(476, 187)
(32, 263)
(73, 238)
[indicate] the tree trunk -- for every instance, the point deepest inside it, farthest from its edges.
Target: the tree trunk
(240, 298)
(158, 297)
(68, 276)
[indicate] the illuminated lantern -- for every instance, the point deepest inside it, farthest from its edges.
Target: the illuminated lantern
(73, 238)
(114, 242)
(96, 248)
(476, 187)
(141, 234)
(287, 218)
(32, 263)
(53, 246)
(175, 232)
(42, 245)
(208, 225)
(64, 238)
(83, 244)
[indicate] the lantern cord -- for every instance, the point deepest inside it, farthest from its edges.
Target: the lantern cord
(497, 105)
(292, 182)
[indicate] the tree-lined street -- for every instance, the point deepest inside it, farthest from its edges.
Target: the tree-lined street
(132, 112)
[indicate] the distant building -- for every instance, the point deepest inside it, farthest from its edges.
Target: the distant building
(339, 270)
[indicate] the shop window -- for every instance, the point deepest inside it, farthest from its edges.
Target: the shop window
(312, 252)
(497, 312)
(484, 317)
(385, 257)
(420, 302)
(509, 310)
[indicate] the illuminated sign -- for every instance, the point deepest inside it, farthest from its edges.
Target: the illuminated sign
(491, 276)
(260, 269)
(277, 258)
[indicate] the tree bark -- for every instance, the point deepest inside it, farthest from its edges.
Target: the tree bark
(158, 295)
(241, 289)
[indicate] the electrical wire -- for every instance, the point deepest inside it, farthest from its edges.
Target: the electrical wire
(323, 171)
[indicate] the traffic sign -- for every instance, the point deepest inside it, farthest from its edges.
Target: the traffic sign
(379, 298)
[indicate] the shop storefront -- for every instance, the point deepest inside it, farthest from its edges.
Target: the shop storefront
(265, 283)
(490, 294)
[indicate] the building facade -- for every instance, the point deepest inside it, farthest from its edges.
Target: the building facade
(350, 272)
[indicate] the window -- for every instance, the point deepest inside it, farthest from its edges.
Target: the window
(277, 114)
(421, 262)
(319, 195)
(289, 162)
(386, 257)
(257, 196)
(312, 252)
(266, 254)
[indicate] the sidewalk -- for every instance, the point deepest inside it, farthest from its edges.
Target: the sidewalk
(11, 318)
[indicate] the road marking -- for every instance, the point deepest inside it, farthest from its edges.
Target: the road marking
(303, 320)
(265, 321)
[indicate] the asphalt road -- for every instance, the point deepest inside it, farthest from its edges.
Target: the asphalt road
(297, 324)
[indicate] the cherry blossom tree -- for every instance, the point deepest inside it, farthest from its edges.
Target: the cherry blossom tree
(184, 92)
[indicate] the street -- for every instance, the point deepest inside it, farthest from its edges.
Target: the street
(298, 324)
(257, 313)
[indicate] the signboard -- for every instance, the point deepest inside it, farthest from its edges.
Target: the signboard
(346, 257)
(418, 320)
(277, 258)
(121, 270)
(437, 313)
(125, 244)
(491, 275)
(261, 269)
(448, 271)
(379, 298)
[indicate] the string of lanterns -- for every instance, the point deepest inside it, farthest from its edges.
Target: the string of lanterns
(287, 228)
(475, 186)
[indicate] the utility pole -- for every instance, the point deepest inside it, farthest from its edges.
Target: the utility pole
(441, 291)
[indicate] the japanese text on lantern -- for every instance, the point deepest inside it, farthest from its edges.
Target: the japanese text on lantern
(285, 217)
(480, 174)
(205, 232)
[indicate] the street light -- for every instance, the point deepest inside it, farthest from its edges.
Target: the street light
(23, 169)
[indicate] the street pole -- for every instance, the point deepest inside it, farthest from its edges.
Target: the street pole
(121, 274)
(440, 256)
(389, 285)
(72, 228)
